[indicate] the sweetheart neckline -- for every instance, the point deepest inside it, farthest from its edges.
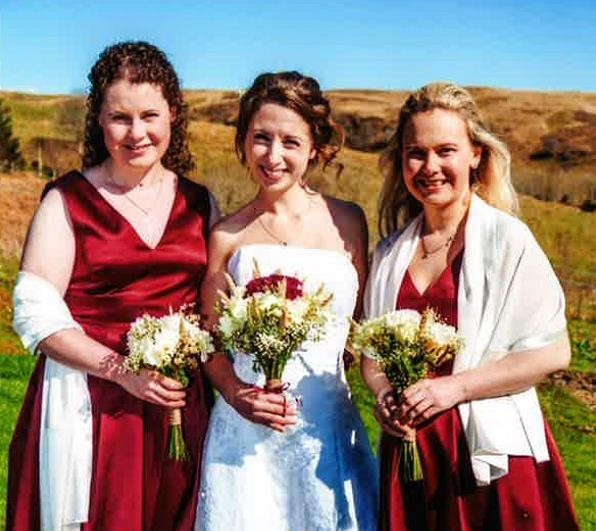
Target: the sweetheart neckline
(345, 256)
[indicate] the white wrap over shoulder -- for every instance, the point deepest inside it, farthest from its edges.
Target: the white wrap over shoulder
(509, 300)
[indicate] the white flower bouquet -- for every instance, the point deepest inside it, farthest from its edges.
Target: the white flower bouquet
(269, 319)
(172, 345)
(408, 347)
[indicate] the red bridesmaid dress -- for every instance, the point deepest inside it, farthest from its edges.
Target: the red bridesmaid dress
(116, 278)
(531, 497)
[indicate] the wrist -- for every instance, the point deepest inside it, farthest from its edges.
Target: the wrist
(461, 389)
(230, 390)
(111, 367)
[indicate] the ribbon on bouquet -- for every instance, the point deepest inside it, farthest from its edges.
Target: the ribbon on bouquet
(280, 387)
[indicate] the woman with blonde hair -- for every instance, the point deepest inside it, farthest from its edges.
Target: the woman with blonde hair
(453, 244)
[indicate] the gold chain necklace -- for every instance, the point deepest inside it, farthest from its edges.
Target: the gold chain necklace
(272, 234)
(426, 253)
(145, 210)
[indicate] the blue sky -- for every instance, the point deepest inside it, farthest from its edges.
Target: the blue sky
(48, 46)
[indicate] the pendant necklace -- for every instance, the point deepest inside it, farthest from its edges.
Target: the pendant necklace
(270, 232)
(297, 232)
(145, 210)
(426, 253)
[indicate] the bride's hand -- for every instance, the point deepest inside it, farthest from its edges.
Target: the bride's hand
(153, 387)
(259, 406)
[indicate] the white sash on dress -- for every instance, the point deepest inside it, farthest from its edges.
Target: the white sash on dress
(65, 438)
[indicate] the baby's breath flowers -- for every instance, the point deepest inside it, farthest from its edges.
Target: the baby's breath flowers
(172, 345)
(269, 319)
(408, 347)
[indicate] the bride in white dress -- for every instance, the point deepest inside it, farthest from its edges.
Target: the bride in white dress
(304, 466)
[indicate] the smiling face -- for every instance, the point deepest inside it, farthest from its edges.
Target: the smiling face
(278, 147)
(437, 158)
(136, 123)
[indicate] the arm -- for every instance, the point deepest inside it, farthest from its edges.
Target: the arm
(254, 404)
(514, 373)
(49, 253)
(526, 316)
(214, 211)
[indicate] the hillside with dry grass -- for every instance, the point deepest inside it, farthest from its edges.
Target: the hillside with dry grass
(552, 136)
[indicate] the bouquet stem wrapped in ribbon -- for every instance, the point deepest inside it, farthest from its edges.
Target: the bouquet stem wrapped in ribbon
(172, 345)
(269, 319)
(408, 347)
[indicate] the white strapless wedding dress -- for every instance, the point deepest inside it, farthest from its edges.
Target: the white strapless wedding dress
(319, 475)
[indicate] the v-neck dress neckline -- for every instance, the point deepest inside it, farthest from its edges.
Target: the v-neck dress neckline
(108, 207)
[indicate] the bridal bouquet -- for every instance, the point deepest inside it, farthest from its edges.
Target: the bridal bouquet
(172, 345)
(407, 346)
(269, 319)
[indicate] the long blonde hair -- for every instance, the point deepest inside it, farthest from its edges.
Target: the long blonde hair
(491, 180)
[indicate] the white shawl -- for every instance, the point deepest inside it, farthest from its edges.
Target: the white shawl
(509, 300)
(65, 437)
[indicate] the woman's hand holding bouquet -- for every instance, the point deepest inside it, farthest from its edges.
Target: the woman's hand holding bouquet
(269, 319)
(408, 347)
(172, 346)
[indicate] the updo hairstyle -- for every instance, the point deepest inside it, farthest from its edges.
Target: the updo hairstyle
(302, 95)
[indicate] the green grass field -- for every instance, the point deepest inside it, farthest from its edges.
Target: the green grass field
(571, 421)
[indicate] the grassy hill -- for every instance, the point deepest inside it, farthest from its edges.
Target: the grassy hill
(551, 135)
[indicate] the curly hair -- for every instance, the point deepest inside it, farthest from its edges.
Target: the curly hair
(491, 180)
(138, 62)
(302, 95)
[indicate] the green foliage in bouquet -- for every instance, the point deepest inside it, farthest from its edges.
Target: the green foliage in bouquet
(408, 347)
(270, 318)
(172, 345)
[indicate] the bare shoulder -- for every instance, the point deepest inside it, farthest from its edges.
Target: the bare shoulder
(348, 215)
(228, 233)
(50, 244)
(52, 212)
(235, 224)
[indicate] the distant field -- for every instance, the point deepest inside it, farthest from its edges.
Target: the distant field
(550, 134)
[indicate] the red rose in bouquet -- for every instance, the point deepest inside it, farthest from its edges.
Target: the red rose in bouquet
(294, 286)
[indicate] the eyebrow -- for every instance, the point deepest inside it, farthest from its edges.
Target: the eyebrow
(444, 144)
(120, 110)
(285, 136)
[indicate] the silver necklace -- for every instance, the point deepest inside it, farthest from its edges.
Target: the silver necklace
(269, 231)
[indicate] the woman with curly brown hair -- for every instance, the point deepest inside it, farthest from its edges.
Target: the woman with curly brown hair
(124, 237)
(265, 465)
